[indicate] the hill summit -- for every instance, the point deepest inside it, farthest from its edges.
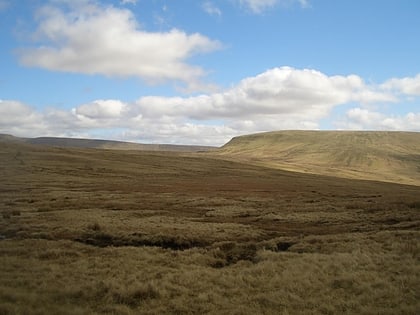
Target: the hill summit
(374, 155)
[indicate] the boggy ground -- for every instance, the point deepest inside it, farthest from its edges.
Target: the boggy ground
(86, 231)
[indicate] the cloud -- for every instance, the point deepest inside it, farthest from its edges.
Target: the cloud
(20, 119)
(279, 91)
(84, 37)
(102, 109)
(12, 111)
(180, 133)
(259, 6)
(360, 119)
(279, 98)
(211, 8)
(129, 1)
(408, 86)
(304, 3)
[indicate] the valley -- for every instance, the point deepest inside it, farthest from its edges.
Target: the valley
(103, 231)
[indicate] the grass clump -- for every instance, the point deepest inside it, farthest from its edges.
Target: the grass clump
(94, 227)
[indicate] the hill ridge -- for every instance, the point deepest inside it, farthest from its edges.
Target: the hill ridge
(378, 155)
(103, 144)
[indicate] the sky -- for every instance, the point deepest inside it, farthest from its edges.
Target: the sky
(204, 71)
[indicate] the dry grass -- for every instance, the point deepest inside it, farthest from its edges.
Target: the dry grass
(106, 232)
(373, 155)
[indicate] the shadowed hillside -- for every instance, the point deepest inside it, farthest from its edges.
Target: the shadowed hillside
(103, 144)
(384, 156)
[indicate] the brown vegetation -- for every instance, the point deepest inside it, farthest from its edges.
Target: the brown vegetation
(87, 231)
(373, 155)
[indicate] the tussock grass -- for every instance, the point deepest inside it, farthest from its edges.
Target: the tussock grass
(105, 232)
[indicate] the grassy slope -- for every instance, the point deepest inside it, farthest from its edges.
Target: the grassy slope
(102, 144)
(385, 156)
(87, 231)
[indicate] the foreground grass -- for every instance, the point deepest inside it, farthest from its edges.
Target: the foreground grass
(105, 232)
(63, 277)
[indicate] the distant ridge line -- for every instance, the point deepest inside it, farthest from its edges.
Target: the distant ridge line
(104, 144)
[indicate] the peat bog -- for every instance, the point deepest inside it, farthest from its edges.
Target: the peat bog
(93, 231)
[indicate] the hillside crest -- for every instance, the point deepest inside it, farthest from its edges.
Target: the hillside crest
(375, 155)
(102, 144)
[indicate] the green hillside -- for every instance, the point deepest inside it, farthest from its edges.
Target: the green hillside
(376, 155)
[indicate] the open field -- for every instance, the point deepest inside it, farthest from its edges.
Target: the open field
(88, 231)
(374, 155)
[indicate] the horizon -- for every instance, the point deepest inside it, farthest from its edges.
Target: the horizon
(214, 146)
(203, 72)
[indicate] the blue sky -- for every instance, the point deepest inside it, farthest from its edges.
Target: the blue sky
(203, 71)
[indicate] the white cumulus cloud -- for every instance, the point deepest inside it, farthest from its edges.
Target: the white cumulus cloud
(281, 91)
(279, 98)
(361, 119)
(100, 109)
(19, 119)
(86, 37)
(408, 86)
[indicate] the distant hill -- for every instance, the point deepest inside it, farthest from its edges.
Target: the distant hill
(10, 138)
(374, 155)
(103, 144)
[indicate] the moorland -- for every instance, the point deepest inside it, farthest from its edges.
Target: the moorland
(104, 231)
(376, 155)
